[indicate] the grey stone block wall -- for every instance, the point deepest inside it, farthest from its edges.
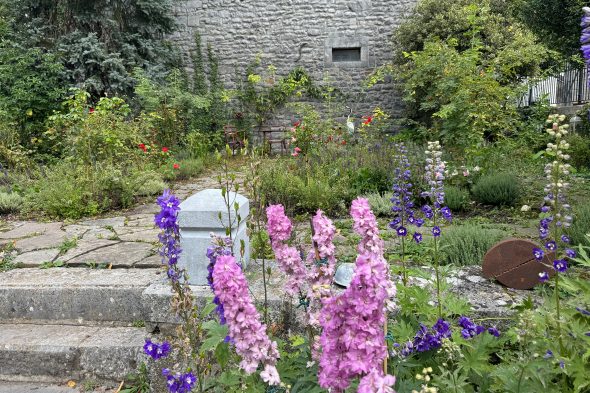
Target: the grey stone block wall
(290, 33)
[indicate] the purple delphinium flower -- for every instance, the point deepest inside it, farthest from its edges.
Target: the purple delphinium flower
(436, 231)
(179, 383)
(565, 239)
(560, 265)
(551, 245)
(494, 331)
(570, 253)
(402, 198)
(417, 237)
(543, 276)
(548, 354)
(169, 237)
(538, 254)
(156, 351)
(470, 329)
(427, 339)
(585, 37)
(583, 311)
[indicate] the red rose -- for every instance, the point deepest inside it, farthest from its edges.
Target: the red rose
(142, 147)
(91, 110)
(176, 166)
(297, 124)
(165, 149)
(368, 121)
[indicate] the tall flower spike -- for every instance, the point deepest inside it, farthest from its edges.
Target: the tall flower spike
(556, 212)
(403, 205)
(434, 176)
(247, 332)
(323, 264)
(585, 38)
(353, 340)
(289, 259)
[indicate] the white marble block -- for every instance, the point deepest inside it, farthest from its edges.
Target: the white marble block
(198, 217)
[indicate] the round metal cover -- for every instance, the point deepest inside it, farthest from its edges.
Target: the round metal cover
(343, 275)
(511, 262)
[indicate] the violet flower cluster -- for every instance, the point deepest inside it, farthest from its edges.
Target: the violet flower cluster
(427, 339)
(156, 351)
(353, 340)
(219, 246)
(179, 383)
(556, 211)
(289, 259)
(402, 199)
(585, 38)
(169, 237)
(245, 329)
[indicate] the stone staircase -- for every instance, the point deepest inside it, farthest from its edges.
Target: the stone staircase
(64, 324)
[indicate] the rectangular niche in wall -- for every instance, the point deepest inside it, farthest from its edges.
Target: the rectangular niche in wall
(343, 51)
(346, 54)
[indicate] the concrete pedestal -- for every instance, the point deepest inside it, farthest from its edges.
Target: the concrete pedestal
(205, 213)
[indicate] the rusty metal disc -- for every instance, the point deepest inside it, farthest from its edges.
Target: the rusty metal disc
(511, 262)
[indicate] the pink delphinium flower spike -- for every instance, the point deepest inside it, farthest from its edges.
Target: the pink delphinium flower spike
(353, 342)
(289, 259)
(247, 332)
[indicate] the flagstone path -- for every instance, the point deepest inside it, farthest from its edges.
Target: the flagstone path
(125, 240)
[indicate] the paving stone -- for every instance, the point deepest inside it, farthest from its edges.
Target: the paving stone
(150, 208)
(104, 222)
(138, 234)
(99, 233)
(30, 228)
(85, 246)
(121, 254)
(140, 220)
(36, 258)
(50, 239)
(154, 261)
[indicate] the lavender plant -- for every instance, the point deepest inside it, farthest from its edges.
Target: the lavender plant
(403, 205)
(556, 212)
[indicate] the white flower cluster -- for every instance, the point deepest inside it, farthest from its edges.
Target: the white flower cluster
(435, 169)
(557, 171)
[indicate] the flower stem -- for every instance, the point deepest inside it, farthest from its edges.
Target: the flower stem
(437, 270)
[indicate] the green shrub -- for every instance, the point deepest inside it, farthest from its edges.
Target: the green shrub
(580, 152)
(467, 244)
(380, 204)
(303, 194)
(456, 198)
(10, 202)
(73, 191)
(369, 179)
(187, 168)
(580, 225)
(500, 189)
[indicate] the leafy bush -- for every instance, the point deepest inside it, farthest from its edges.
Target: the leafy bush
(456, 198)
(303, 194)
(581, 224)
(467, 244)
(500, 189)
(380, 204)
(580, 152)
(10, 202)
(73, 191)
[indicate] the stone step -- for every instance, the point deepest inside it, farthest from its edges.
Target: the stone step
(75, 296)
(59, 353)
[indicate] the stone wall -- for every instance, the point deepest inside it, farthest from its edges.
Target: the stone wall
(291, 33)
